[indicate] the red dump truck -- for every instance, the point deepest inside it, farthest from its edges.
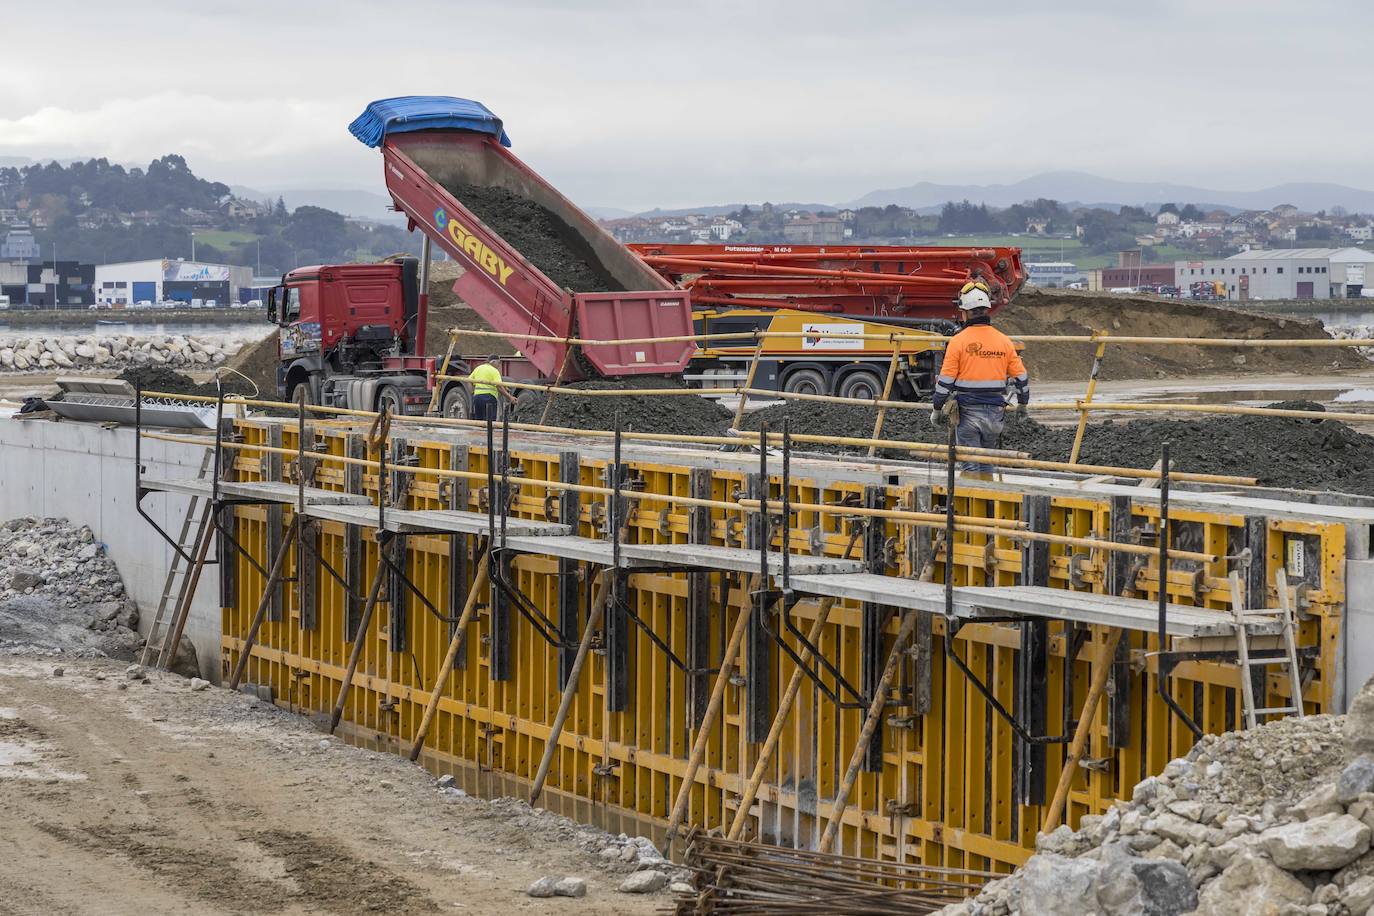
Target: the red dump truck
(353, 335)
(540, 271)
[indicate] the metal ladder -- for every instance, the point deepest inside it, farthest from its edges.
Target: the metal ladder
(175, 586)
(1284, 615)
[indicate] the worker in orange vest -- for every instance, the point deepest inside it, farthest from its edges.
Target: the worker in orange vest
(980, 364)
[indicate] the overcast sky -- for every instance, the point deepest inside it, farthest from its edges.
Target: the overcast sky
(640, 104)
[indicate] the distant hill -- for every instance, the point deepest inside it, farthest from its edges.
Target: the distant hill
(1080, 186)
(348, 201)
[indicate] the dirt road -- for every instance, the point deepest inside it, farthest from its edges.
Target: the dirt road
(150, 798)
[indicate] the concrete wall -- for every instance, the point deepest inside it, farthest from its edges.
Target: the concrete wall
(85, 473)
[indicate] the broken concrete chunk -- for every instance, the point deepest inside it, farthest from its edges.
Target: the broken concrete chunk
(643, 882)
(1251, 886)
(1356, 779)
(1053, 884)
(570, 887)
(1323, 843)
(544, 887)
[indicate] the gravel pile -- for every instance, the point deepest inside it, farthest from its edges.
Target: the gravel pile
(98, 351)
(1281, 452)
(547, 242)
(61, 594)
(1274, 820)
(687, 415)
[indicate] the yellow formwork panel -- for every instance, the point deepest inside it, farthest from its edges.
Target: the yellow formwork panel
(943, 793)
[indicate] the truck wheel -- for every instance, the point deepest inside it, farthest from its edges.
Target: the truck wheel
(391, 397)
(455, 405)
(861, 384)
(804, 381)
(296, 392)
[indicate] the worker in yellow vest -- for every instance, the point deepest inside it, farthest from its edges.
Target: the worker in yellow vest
(486, 388)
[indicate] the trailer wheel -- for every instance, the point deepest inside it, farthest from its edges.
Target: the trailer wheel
(804, 381)
(455, 405)
(861, 384)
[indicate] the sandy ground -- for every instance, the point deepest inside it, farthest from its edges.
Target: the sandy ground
(155, 799)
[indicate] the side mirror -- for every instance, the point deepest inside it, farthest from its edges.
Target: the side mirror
(272, 304)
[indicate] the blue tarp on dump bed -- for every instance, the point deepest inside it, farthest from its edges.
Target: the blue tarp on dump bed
(424, 112)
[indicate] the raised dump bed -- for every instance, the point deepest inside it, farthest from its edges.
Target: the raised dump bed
(537, 265)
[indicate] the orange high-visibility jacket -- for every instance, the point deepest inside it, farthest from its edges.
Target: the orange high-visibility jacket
(980, 363)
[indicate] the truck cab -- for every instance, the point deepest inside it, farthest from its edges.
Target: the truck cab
(350, 335)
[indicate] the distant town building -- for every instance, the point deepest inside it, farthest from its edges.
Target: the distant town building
(1138, 275)
(814, 230)
(47, 284)
(1053, 274)
(1283, 273)
(19, 245)
(132, 282)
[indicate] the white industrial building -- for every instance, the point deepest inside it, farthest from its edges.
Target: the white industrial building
(133, 282)
(1054, 274)
(1283, 273)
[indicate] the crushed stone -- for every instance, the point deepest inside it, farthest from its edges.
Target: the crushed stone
(1279, 814)
(61, 594)
(547, 242)
(649, 414)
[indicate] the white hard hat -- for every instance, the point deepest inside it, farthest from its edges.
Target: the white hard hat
(975, 295)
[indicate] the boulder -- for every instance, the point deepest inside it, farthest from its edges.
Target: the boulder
(644, 882)
(85, 351)
(1356, 779)
(1053, 885)
(25, 579)
(1359, 721)
(1323, 843)
(1146, 887)
(1358, 895)
(544, 887)
(570, 887)
(1251, 886)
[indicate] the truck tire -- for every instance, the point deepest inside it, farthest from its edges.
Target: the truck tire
(805, 381)
(455, 405)
(391, 397)
(862, 384)
(296, 392)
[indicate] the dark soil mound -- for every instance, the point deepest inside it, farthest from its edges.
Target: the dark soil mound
(259, 362)
(160, 378)
(545, 240)
(1287, 453)
(1070, 312)
(688, 415)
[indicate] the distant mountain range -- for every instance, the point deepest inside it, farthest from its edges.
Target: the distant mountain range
(1073, 189)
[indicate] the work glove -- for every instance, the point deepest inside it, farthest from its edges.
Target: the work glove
(937, 418)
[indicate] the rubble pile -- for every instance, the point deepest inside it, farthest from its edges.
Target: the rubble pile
(60, 594)
(37, 353)
(1276, 820)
